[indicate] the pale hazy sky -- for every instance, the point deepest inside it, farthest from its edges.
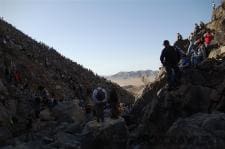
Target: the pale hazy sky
(107, 36)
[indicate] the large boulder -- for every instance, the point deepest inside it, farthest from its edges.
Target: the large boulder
(199, 131)
(68, 111)
(167, 107)
(112, 134)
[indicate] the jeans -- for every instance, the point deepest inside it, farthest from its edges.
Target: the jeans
(173, 75)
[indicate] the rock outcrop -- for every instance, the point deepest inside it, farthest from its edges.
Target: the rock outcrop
(191, 116)
(198, 131)
(159, 111)
(112, 134)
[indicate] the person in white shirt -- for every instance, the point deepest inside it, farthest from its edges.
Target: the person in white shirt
(99, 97)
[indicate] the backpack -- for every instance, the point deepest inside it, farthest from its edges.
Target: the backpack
(100, 95)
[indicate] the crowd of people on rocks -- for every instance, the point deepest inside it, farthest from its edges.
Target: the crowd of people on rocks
(186, 53)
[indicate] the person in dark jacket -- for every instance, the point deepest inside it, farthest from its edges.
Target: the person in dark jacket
(170, 59)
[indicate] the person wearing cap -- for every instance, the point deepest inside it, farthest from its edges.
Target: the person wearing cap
(170, 59)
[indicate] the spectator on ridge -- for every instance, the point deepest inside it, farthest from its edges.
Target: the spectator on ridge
(184, 61)
(208, 37)
(179, 36)
(198, 54)
(182, 44)
(197, 29)
(202, 25)
(170, 58)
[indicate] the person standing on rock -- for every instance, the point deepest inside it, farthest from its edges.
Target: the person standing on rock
(99, 97)
(170, 59)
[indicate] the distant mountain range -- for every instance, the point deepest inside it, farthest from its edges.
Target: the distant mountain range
(134, 81)
(133, 74)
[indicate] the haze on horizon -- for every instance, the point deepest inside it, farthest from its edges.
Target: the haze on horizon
(107, 36)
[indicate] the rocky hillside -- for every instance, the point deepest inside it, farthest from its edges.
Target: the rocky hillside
(26, 66)
(42, 65)
(192, 116)
(134, 81)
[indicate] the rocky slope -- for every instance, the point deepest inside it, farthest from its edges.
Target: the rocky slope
(202, 91)
(27, 65)
(191, 116)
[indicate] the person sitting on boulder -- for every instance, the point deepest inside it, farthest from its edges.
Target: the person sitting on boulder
(208, 37)
(198, 54)
(184, 61)
(114, 102)
(170, 59)
(99, 97)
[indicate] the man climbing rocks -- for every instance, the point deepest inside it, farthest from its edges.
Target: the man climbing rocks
(170, 59)
(99, 97)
